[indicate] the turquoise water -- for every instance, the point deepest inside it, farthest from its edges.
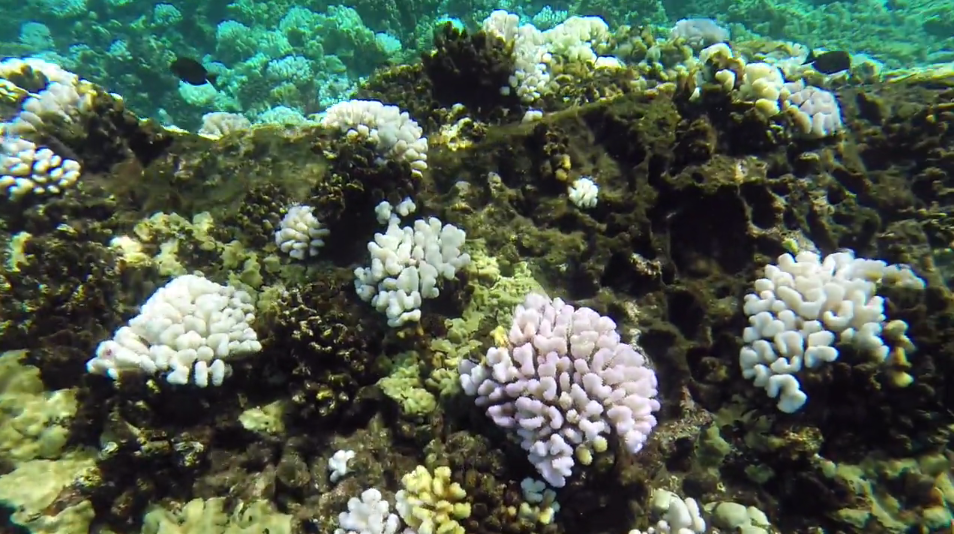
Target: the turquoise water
(466, 268)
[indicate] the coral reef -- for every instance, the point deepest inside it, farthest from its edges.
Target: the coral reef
(580, 329)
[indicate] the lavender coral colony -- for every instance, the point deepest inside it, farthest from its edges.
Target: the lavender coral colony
(562, 384)
(374, 269)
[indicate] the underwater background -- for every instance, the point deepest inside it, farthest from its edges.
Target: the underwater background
(461, 267)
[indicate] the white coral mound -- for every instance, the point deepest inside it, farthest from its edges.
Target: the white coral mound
(65, 96)
(368, 515)
(803, 306)
(301, 234)
(221, 123)
(576, 40)
(28, 169)
(396, 136)
(584, 193)
(53, 72)
(815, 111)
(408, 263)
(187, 329)
(679, 516)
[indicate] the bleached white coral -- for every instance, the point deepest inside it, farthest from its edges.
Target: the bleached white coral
(219, 123)
(700, 32)
(58, 99)
(501, 24)
(531, 77)
(763, 84)
(803, 306)
(27, 169)
(300, 234)
(338, 464)
(678, 515)
(816, 112)
(532, 115)
(608, 62)
(584, 193)
(407, 264)
(65, 95)
(187, 329)
(51, 71)
(369, 514)
(384, 211)
(716, 54)
(577, 40)
(396, 136)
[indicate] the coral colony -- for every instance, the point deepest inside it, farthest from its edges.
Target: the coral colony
(380, 270)
(562, 384)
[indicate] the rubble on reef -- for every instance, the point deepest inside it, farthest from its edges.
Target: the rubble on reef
(696, 195)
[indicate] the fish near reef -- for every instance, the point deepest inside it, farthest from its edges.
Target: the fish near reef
(192, 72)
(829, 62)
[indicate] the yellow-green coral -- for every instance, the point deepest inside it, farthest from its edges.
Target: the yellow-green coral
(34, 423)
(11, 92)
(540, 504)
(15, 255)
(242, 265)
(34, 427)
(176, 237)
(874, 507)
(34, 486)
(267, 419)
(494, 295)
(405, 387)
(445, 357)
(200, 517)
(168, 228)
(432, 504)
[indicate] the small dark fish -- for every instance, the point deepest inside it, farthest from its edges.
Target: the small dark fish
(829, 62)
(191, 71)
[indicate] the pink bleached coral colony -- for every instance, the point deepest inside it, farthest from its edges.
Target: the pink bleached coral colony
(562, 383)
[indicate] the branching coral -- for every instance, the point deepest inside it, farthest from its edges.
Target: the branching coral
(561, 383)
(431, 503)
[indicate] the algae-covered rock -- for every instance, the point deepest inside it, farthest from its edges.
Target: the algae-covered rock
(266, 419)
(34, 422)
(34, 490)
(209, 516)
(405, 386)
